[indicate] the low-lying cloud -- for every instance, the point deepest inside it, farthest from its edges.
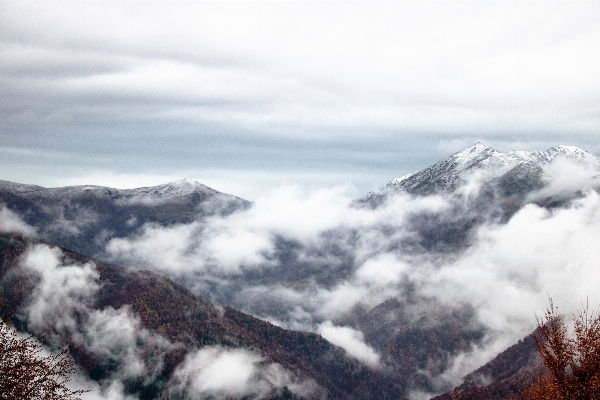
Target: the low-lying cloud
(511, 269)
(61, 305)
(305, 260)
(10, 222)
(351, 340)
(216, 372)
(316, 261)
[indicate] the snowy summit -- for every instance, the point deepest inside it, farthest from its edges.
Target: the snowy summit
(449, 173)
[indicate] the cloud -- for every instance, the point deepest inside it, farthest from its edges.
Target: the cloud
(510, 270)
(350, 340)
(508, 273)
(229, 58)
(61, 305)
(382, 271)
(78, 217)
(242, 240)
(566, 177)
(11, 222)
(62, 290)
(118, 335)
(216, 372)
(287, 236)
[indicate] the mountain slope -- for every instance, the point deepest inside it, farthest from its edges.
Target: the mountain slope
(449, 174)
(84, 218)
(185, 321)
(509, 373)
(482, 185)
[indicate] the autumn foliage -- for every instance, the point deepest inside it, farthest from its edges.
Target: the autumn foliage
(26, 374)
(571, 364)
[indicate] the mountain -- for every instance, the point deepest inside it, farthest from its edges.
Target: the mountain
(363, 277)
(173, 323)
(504, 184)
(504, 377)
(83, 218)
(514, 172)
(483, 185)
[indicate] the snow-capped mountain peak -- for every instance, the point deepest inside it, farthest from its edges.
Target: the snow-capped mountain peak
(571, 152)
(178, 188)
(474, 153)
(448, 174)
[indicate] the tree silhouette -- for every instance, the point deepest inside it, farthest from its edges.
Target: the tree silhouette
(26, 374)
(572, 364)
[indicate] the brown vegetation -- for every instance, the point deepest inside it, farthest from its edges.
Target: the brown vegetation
(568, 366)
(572, 364)
(26, 374)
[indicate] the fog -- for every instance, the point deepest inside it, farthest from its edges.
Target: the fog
(11, 222)
(319, 261)
(61, 306)
(214, 372)
(313, 260)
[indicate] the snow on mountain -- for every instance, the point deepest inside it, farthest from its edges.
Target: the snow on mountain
(178, 188)
(165, 192)
(19, 187)
(84, 218)
(448, 174)
(171, 190)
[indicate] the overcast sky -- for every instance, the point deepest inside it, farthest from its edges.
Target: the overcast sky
(244, 96)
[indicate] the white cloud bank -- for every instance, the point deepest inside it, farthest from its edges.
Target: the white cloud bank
(12, 223)
(357, 258)
(61, 306)
(216, 372)
(352, 341)
(510, 271)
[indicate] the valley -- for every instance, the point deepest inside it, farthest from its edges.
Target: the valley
(423, 286)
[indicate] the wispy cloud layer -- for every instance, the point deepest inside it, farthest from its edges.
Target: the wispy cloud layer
(314, 261)
(61, 305)
(10, 222)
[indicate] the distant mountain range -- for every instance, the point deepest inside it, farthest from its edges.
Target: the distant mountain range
(416, 336)
(83, 218)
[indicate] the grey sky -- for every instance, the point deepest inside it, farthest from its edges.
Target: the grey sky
(248, 95)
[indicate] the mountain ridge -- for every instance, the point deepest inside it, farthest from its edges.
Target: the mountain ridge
(80, 217)
(197, 324)
(181, 187)
(444, 176)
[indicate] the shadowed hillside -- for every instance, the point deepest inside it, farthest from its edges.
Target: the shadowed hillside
(188, 322)
(85, 218)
